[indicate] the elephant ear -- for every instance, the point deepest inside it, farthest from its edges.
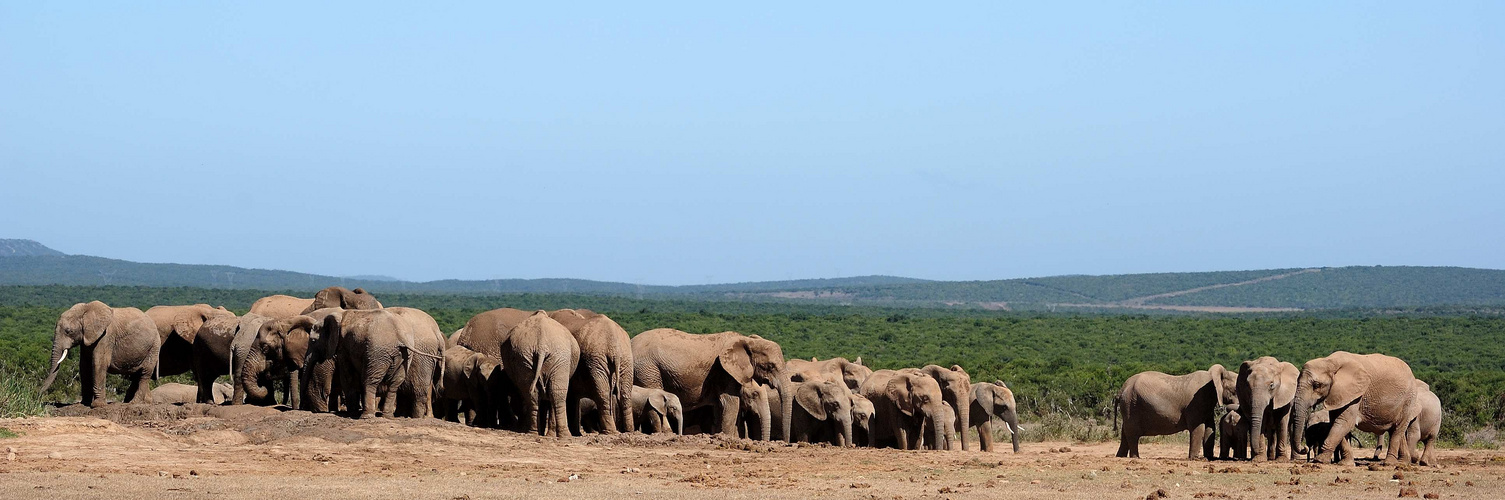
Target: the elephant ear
(329, 333)
(982, 401)
(95, 320)
(1000, 383)
(809, 398)
(271, 336)
(1217, 371)
(468, 369)
(1285, 385)
(659, 405)
(858, 360)
(958, 369)
(897, 391)
(1350, 382)
(737, 361)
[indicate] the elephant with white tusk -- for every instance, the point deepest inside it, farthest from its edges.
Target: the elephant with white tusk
(120, 340)
(1265, 388)
(992, 400)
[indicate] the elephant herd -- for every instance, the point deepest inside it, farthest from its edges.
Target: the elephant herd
(1270, 409)
(563, 372)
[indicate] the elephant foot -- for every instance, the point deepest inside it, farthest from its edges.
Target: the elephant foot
(1260, 458)
(1348, 462)
(367, 415)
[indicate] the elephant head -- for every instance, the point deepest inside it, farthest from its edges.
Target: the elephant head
(753, 359)
(1335, 381)
(755, 400)
(338, 296)
(281, 343)
(918, 396)
(827, 400)
(956, 387)
(862, 416)
(995, 400)
(1263, 384)
(83, 325)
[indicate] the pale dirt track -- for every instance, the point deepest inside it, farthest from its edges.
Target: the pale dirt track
(202, 452)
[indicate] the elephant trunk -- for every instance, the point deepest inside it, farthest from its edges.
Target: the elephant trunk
(1255, 419)
(786, 406)
(963, 414)
(938, 430)
(60, 346)
(249, 375)
(1301, 411)
(845, 419)
(679, 421)
(1012, 418)
(765, 420)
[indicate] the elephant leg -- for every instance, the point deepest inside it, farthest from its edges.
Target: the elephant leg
(572, 409)
(985, 436)
(294, 390)
(1198, 432)
(605, 404)
(101, 367)
(1343, 423)
(559, 397)
(1398, 450)
(731, 406)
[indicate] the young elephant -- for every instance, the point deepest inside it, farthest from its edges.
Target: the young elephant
(993, 400)
(753, 406)
(175, 393)
(956, 388)
(1426, 427)
(655, 409)
(906, 403)
(947, 430)
(274, 352)
(823, 411)
(1158, 404)
(1266, 386)
(320, 391)
(468, 376)
(541, 355)
(1232, 434)
(862, 420)
(120, 340)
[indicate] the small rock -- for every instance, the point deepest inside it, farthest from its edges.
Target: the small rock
(193, 473)
(10, 454)
(1398, 476)
(56, 455)
(1065, 449)
(1037, 481)
(1159, 493)
(161, 473)
(1431, 495)
(1407, 492)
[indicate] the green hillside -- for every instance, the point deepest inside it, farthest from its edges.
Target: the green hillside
(1346, 287)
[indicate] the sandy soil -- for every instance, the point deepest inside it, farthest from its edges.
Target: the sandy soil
(201, 451)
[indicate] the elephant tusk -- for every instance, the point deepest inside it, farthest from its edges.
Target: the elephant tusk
(60, 359)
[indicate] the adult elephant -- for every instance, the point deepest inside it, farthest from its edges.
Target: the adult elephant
(657, 411)
(1265, 388)
(709, 370)
(271, 353)
(375, 346)
(605, 372)
(177, 326)
(320, 391)
(906, 402)
(1369, 392)
(539, 357)
(280, 306)
(822, 412)
(485, 333)
(119, 340)
(415, 395)
(175, 393)
(1157, 404)
(992, 400)
(956, 388)
(213, 349)
(852, 373)
(343, 298)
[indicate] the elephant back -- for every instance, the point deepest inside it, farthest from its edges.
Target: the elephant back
(486, 332)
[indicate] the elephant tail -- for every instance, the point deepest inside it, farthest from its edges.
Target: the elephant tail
(538, 359)
(1117, 401)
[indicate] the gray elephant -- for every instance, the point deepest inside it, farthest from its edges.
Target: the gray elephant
(710, 370)
(213, 349)
(822, 411)
(1369, 392)
(175, 393)
(415, 394)
(862, 419)
(338, 296)
(657, 411)
(1233, 435)
(320, 391)
(956, 388)
(1157, 404)
(119, 340)
(375, 346)
(754, 412)
(177, 326)
(540, 356)
(992, 400)
(273, 353)
(605, 371)
(906, 403)
(852, 373)
(467, 381)
(1265, 388)
(1427, 425)
(280, 306)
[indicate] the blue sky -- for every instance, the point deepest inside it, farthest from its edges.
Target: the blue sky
(693, 143)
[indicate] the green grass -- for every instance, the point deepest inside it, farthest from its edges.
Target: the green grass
(7, 433)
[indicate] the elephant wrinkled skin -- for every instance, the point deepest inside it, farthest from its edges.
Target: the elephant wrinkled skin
(119, 340)
(1369, 392)
(177, 326)
(1265, 388)
(709, 370)
(992, 400)
(1157, 404)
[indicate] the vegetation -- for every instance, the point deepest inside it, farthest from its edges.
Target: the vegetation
(1063, 368)
(1388, 286)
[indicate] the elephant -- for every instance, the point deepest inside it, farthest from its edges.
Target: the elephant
(375, 346)
(119, 340)
(956, 388)
(992, 400)
(753, 405)
(275, 351)
(851, 372)
(213, 349)
(540, 356)
(338, 296)
(654, 410)
(1157, 404)
(1368, 392)
(468, 377)
(710, 370)
(822, 411)
(862, 419)
(177, 326)
(605, 371)
(1233, 435)
(485, 333)
(320, 391)
(175, 393)
(1317, 430)
(415, 394)
(1427, 425)
(280, 306)
(905, 402)
(1265, 389)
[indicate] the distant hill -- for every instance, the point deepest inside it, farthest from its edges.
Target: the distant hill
(24, 248)
(27, 262)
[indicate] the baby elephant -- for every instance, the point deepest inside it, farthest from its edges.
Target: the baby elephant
(175, 393)
(654, 409)
(466, 384)
(1231, 435)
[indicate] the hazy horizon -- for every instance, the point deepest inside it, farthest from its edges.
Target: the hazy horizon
(701, 144)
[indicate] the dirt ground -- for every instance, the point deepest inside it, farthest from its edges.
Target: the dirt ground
(201, 451)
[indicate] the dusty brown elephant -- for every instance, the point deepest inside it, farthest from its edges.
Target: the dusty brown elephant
(709, 370)
(1369, 392)
(992, 400)
(280, 306)
(947, 423)
(338, 296)
(906, 403)
(852, 373)
(375, 346)
(862, 419)
(415, 395)
(539, 357)
(1157, 404)
(822, 411)
(177, 326)
(1265, 388)
(1426, 427)
(320, 391)
(754, 419)
(657, 411)
(605, 371)
(213, 349)
(175, 393)
(485, 333)
(119, 340)
(956, 388)
(467, 381)
(272, 353)
(1233, 435)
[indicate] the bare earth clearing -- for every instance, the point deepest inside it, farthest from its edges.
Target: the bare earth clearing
(200, 451)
